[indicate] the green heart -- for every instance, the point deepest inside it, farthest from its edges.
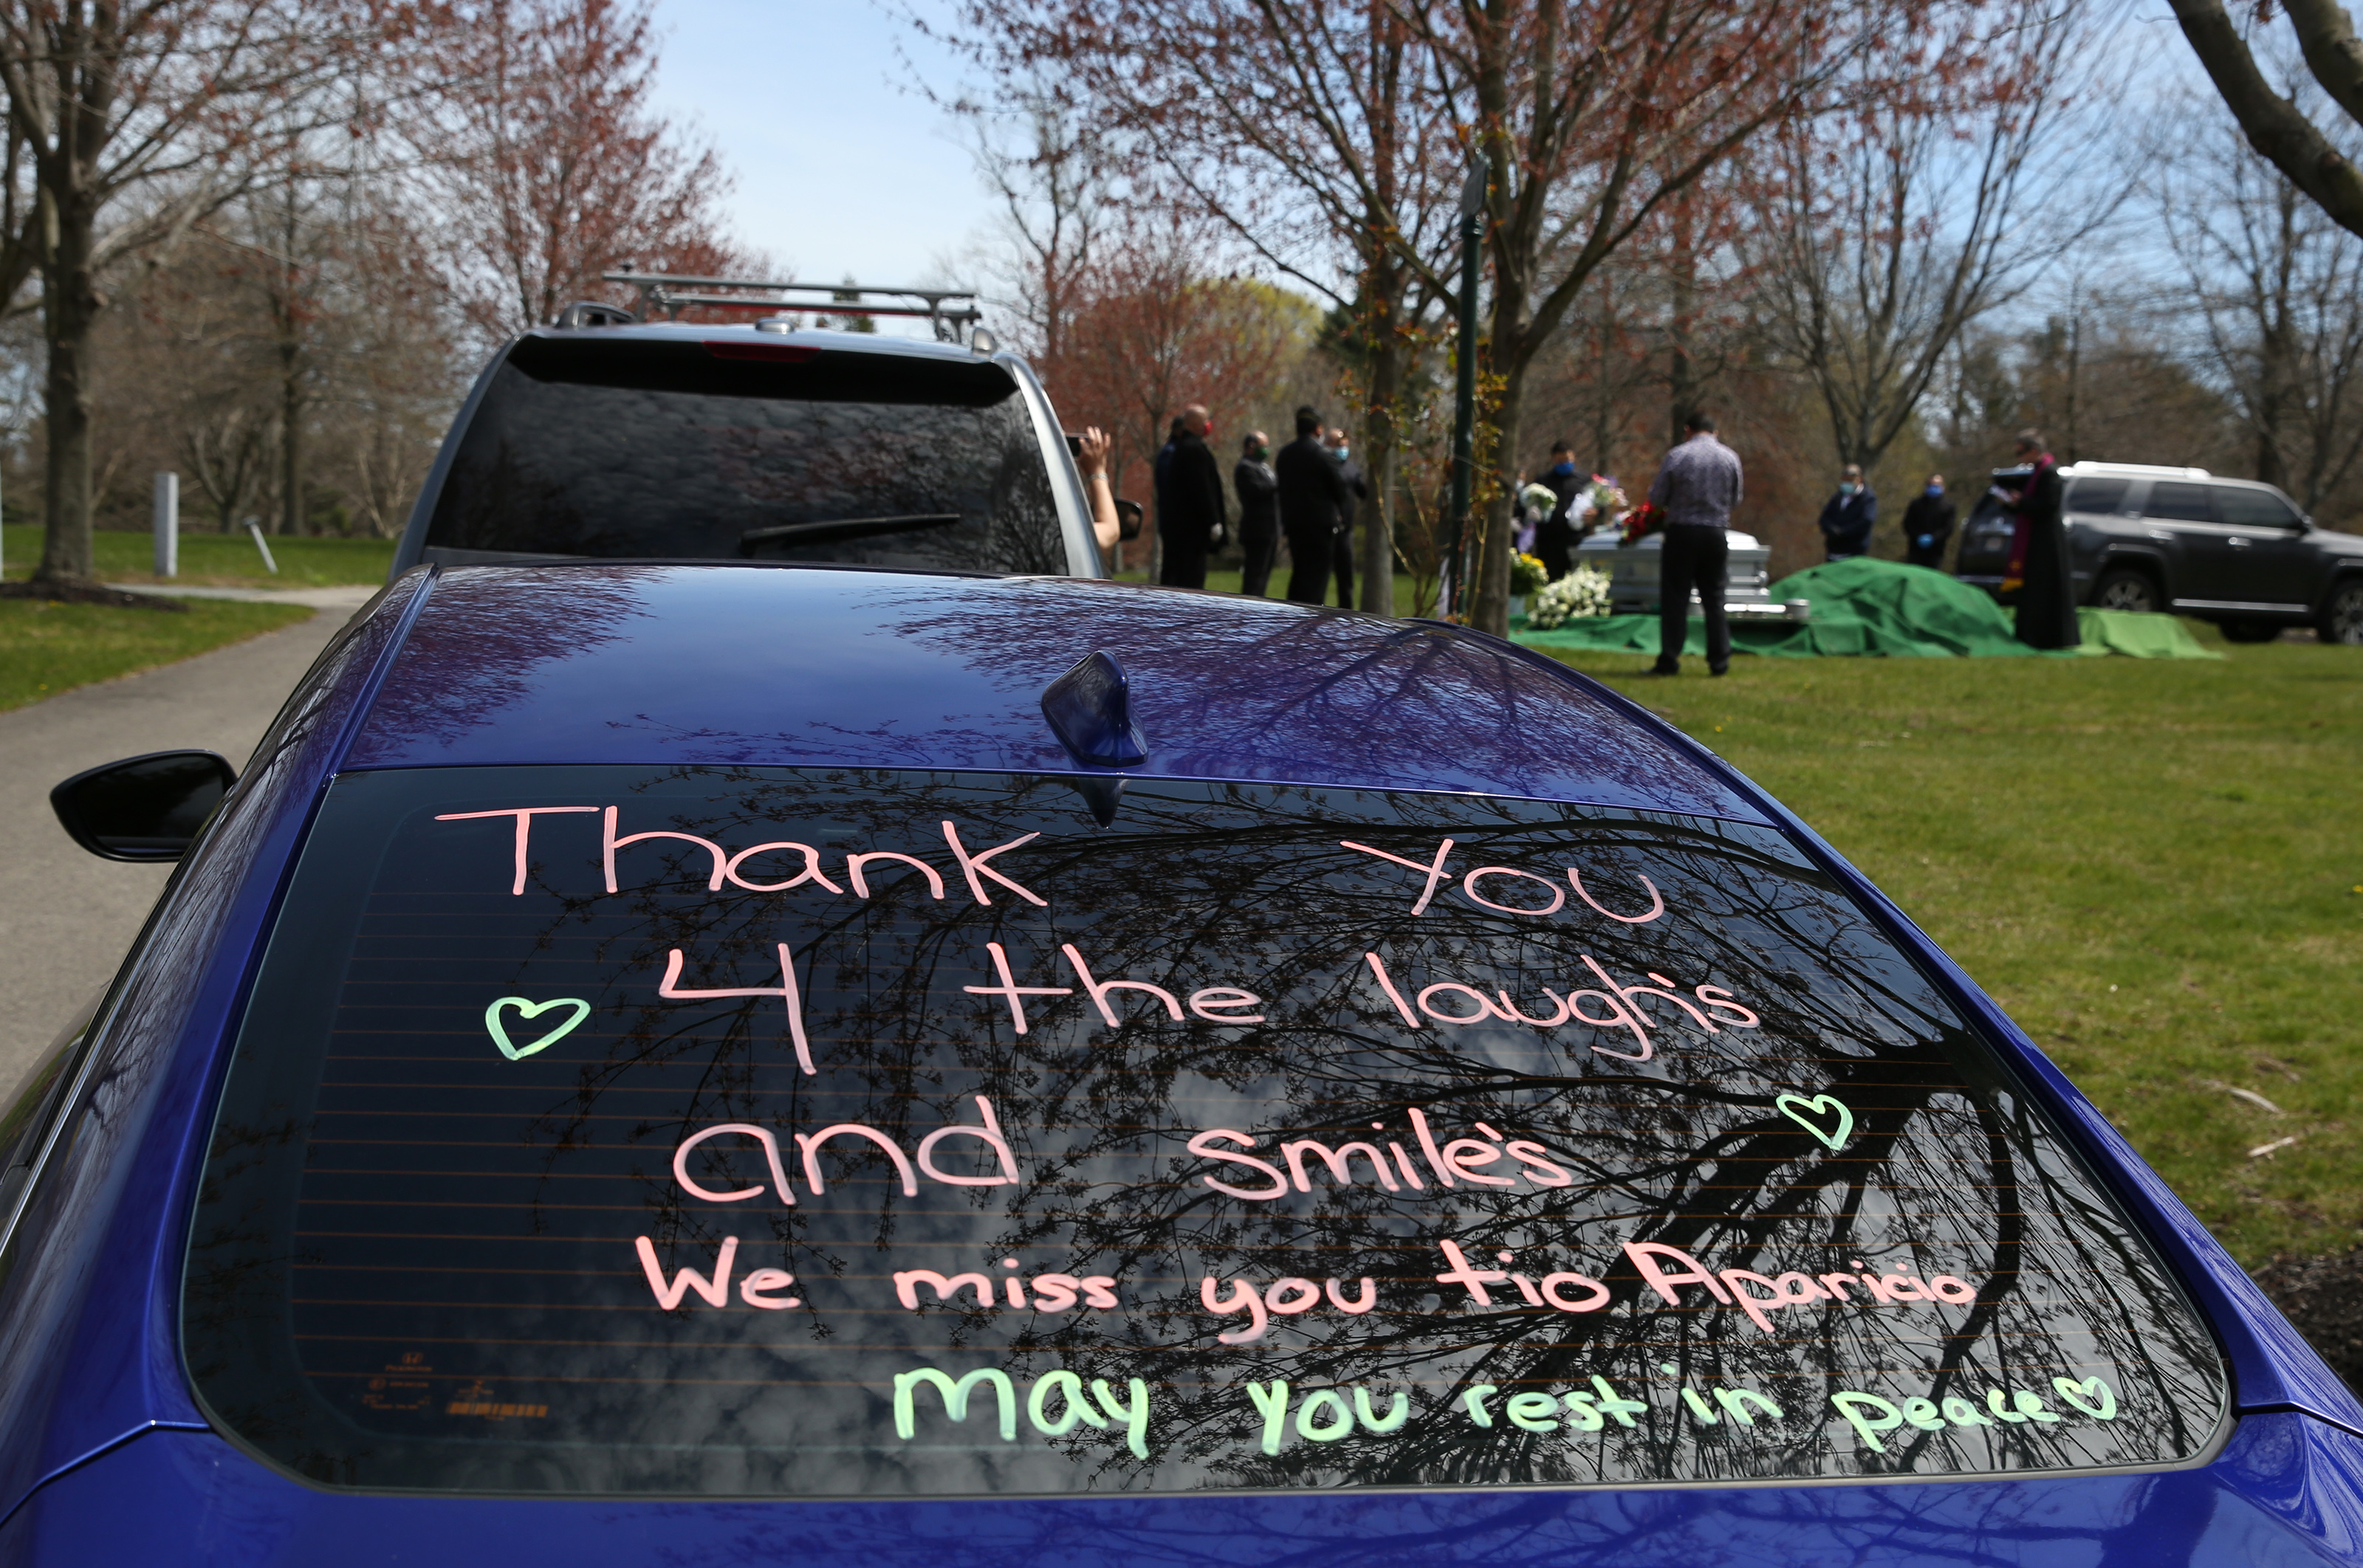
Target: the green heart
(2103, 1405)
(1803, 1111)
(532, 1010)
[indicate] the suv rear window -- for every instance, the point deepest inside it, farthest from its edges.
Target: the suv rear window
(2173, 500)
(742, 450)
(2248, 508)
(833, 1134)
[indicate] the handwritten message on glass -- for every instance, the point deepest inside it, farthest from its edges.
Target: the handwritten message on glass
(833, 1134)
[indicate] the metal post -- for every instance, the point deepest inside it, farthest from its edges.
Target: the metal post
(167, 525)
(255, 531)
(1464, 397)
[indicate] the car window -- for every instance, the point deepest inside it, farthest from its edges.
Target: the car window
(839, 1134)
(748, 450)
(2173, 500)
(2253, 508)
(2098, 497)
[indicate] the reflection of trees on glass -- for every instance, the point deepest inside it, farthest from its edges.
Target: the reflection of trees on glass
(1662, 1132)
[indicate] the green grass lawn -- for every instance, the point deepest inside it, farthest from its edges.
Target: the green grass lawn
(2155, 866)
(48, 649)
(218, 561)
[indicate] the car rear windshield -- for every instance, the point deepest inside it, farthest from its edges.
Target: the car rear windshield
(742, 450)
(836, 1134)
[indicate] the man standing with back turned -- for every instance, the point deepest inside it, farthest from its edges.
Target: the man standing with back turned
(1312, 494)
(1191, 504)
(1697, 485)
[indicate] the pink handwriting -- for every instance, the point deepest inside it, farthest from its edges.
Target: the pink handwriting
(1357, 1162)
(1434, 872)
(757, 1288)
(1049, 1292)
(1760, 1296)
(1452, 1002)
(976, 866)
(1215, 1004)
(809, 1146)
(1280, 1298)
(671, 990)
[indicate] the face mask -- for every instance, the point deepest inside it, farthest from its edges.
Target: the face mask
(1936, 489)
(1846, 488)
(1341, 454)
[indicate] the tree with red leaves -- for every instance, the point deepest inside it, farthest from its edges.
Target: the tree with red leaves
(553, 168)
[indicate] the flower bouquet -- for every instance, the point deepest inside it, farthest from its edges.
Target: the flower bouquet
(1640, 522)
(1526, 574)
(1580, 593)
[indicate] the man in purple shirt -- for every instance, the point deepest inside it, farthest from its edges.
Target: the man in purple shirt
(1696, 487)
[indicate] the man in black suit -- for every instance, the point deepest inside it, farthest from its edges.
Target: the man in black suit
(1312, 494)
(1193, 502)
(1259, 491)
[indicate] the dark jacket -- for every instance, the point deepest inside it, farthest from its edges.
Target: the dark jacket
(1930, 518)
(1848, 520)
(1191, 503)
(1311, 491)
(1352, 472)
(1258, 489)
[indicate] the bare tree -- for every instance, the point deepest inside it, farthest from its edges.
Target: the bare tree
(1941, 195)
(2278, 291)
(2281, 130)
(136, 121)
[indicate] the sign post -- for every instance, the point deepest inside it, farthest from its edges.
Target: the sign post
(1464, 397)
(167, 525)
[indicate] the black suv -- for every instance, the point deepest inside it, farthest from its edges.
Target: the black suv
(620, 439)
(2231, 551)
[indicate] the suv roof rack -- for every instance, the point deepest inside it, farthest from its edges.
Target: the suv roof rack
(949, 310)
(2149, 471)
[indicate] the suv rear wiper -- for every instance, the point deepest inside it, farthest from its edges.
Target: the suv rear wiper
(842, 528)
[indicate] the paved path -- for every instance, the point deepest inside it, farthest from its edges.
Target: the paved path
(67, 917)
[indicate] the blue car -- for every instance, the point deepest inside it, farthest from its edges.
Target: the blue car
(724, 1063)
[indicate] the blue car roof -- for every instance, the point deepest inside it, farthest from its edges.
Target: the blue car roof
(766, 667)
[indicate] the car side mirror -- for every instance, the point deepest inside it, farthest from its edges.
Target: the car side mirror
(143, 809)
(1128, 518)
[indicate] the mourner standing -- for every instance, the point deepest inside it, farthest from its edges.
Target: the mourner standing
(1341, 549)
(1554, 536)
(1697, 485)
(1848, 518)
(1927, 523)
(1258, 489)
(2047, 593)
(1191, 503)
(1310, 492)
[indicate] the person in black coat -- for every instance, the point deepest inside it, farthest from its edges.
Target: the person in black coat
(1341, 543)
(1312, 493)
(1258, 489)
(1927, 523)
(2047, 594)
(1848, 518)
(1555, 535)
(1192, 502)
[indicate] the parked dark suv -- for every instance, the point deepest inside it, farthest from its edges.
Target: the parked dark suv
(2231, 551)
(628, 440)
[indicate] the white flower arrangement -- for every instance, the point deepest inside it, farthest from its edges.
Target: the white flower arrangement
(1582, 592)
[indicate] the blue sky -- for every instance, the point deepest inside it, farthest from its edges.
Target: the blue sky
(840, 171)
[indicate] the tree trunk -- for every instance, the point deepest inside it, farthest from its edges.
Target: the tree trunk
(291, 443)
(1681, 378)
(70, 308)
(1379, 431)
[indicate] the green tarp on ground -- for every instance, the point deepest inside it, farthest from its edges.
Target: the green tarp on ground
(1865, 606)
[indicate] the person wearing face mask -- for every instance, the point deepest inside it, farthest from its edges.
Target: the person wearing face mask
(1258, 489)
(1341, 543)
(1927, 523)
(1848, 520)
